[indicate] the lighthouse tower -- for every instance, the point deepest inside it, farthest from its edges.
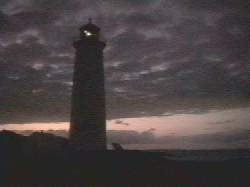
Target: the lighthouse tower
(88, 120)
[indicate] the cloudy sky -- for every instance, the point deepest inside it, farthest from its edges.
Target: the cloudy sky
(164, 59)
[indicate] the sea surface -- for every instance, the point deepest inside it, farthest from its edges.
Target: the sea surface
(200, 155)
(207, 155)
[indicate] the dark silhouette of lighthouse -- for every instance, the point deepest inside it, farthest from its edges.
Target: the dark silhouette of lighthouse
(88, 120)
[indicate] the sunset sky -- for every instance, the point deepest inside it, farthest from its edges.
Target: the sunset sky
(172, 67)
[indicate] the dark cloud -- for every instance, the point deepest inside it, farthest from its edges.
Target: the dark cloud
(217, 5)
(3, 21)
(222, 122)
(231, 139)
(120, 122)
(161, 56)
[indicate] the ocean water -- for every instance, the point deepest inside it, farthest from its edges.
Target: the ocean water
(196, 154)
(207, 155)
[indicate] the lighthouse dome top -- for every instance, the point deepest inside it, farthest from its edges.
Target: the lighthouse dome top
(90, 28)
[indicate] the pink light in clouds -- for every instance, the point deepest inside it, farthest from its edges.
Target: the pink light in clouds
(37, 126)
(178, 125)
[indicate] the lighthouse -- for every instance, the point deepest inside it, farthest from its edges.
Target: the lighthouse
(88, 119)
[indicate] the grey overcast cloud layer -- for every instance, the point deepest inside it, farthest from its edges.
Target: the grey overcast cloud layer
(162, 57)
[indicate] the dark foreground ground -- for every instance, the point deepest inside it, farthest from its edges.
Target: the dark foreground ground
(118, 169)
